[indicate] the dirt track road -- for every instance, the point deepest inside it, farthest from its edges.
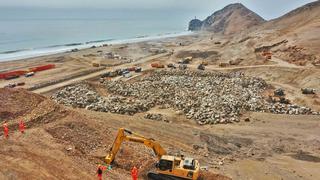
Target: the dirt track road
(94, 75)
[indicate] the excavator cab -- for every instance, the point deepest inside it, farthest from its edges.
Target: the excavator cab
(179, 167)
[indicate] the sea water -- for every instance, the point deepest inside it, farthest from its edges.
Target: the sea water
(28, 32)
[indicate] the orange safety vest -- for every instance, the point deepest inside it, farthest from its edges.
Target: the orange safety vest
(134, 172)
(21, 125)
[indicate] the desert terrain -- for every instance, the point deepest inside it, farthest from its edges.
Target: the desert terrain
(228, 116)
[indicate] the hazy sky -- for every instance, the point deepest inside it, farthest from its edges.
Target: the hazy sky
(268, 9)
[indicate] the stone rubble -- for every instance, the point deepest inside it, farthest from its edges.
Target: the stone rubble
(156, 117)
(207, 97)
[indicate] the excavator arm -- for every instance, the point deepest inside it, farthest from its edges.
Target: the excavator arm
(126, 135)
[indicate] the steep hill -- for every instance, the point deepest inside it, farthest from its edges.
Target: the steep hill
(300, 28)
(302, 25)
(231, 19)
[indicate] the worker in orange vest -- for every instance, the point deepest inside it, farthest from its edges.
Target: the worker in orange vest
(134, 173)
(5, 129)
(100, 171)
(21, 126)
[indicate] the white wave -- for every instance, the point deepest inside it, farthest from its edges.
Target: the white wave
(30, 53)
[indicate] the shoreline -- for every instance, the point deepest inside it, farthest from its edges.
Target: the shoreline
(118, 54)
(24, 54)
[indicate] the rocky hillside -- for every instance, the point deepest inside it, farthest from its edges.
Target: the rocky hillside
(300, 28)
(231, 19)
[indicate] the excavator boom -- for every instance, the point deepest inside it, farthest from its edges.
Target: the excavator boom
(127, 135)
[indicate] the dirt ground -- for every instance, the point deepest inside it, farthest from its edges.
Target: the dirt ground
(65, 143)
(74, 141)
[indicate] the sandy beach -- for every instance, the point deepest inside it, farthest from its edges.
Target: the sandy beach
(70, 64)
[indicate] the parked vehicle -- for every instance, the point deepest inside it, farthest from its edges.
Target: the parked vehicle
(125, 72)
(171, 66)
(107, 74)
(157, 65)
(138, 69)
(11, 85)
(127, 75)
(29, 74)
(308, 91)
(186, 60)
(183, 66)
(201, 67)
(20, 83)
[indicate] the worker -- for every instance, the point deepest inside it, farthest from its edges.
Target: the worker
(21, 126)
(5, 129)
(134, 173)
(100, 171)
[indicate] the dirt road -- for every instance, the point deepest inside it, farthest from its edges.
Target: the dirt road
(96, 74)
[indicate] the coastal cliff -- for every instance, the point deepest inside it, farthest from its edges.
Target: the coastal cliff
(231, 19)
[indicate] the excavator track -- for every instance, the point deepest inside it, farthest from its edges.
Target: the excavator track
(155, 176)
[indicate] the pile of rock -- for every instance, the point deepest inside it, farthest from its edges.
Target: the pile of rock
(156, 117)
(207, 97)
(281, 108)
(83, 96)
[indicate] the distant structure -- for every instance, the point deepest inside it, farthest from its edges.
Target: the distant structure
(195, 24)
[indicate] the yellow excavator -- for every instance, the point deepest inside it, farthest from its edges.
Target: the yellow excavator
(167, 168)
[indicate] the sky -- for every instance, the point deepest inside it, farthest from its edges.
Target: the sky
(268, 9)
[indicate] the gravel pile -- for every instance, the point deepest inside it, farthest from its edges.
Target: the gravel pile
(207, 97)
(83, 96)
(156, 117)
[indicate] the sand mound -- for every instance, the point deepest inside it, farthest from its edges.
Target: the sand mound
(17, 102)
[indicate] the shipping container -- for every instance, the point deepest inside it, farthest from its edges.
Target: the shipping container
(42, 68)
(157, 65)
(11, 73)
(132, 69)
(9, 77)
(138, 69)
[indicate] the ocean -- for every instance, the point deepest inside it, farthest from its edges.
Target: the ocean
(28, 32)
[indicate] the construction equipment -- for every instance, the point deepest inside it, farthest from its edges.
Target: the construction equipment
(157, 65)
(29, 74)
(168, 167)
(170, 65)
(186, 60)
(11, 85)
(205, 63)
(308, 91)
(279, 92)
(222, 64)
(201, 67)
(127, 75)
(183, 66)
(235, 62)
(95, 64)
(138, 69)
(267, 55)
(20, 83)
